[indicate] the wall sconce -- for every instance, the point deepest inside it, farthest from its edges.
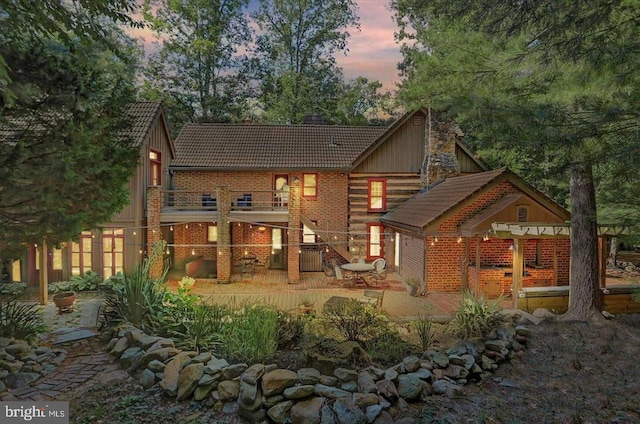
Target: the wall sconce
(193, 252)
(511, 246)
(262, 228)
(459, 239)
(296, 179)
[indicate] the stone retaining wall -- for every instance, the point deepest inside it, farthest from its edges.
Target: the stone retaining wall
(257, 392)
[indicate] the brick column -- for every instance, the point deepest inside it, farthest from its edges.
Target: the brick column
(154, 234)
(224, 234)
(293, 257)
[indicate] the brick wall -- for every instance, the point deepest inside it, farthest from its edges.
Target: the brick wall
(411, 257)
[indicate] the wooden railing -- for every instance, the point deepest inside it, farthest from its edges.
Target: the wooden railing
(241, 200)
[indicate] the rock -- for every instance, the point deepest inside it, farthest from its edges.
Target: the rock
(249, 397)
(440, 359)
(543, 314)
(456, 360)
(486, 363)
(327, 416)
(298, 392)
(391, 374)
(372, 412)
(375, 372)
(344, 374)
(279, 412)
(441, 387)
(307, 411)
(522, 330)
(308, 376)
(228, 390)
(206, 380)
(329, 380)
(130, 358)
(202, 392)
(456, 371)
(385, 418)
(366, 383)
(454, 391)
(5, 341)
(349, 386)
(364, 400)
(18, 349)
(11, 366)
(348, 412)
(411, 363)
(140, 339)
(160, 344)
(406, 420)
(215, 365)
(608, 315)
(6, 356)
(202, 358)
(155, 365)
(387, 389)
(120, 347)
(21, 379)
(269, 401)
(2, 386)
(172, 373)
(276, 381)
(147, 378)
(468, 361)
(422, 374)
(495, 345)
(409, 387)
(331, 392)
(252, 374)
(188, 380)
(253, 416)
(233, 371)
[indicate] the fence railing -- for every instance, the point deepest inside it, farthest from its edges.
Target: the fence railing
(241, 200)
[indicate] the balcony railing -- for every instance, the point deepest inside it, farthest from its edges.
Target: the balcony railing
(265, 200)
(241, 200)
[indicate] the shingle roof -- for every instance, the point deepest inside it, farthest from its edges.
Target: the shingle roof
(256, 147)
(425, 207)
(143, 114)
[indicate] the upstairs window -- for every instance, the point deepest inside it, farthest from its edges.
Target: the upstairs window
(308, 236)
(310, 186)
(155, 161)
(377, 198)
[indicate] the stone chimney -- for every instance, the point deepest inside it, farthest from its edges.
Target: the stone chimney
(440, 159)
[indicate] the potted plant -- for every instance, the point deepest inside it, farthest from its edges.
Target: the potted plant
(64, 301)
(413, 284)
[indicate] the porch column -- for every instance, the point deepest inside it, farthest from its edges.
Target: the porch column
(224, 233)
(154, 234)
(293, 240)
(44, 277)
(518, 268)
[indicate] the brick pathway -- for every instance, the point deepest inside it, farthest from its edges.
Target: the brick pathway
(85, 359)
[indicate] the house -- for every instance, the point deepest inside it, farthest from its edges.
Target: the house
(294, 196)
(121, 243)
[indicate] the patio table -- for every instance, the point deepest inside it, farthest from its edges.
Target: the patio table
(359, 270)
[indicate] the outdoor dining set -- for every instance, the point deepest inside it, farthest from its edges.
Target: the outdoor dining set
(360, 273)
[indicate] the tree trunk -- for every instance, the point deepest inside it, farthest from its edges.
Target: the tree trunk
(613, 252)
(584, 295)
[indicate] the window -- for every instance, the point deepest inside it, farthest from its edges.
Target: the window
(212, 234)
(377, 200)
(308, 236)
(81, 254)
(310, 186)
(112, 252)
(523, 213)
(375, 243)
(156, 167)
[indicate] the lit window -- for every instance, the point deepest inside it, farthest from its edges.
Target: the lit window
(212, 234)
(377, 200)
(310, 186)
(112, 252)
(374, 240)
(308, 236)
(155, 161)
(81, 254)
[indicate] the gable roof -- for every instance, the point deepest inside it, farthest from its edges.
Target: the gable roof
(426, 207)
(144, 116)
(259, 147)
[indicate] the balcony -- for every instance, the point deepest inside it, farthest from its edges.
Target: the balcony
(245, 205)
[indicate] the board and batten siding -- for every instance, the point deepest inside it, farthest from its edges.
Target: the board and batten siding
(400, 187)
(412, 257)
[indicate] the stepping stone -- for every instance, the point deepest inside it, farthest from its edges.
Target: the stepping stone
(73, 335)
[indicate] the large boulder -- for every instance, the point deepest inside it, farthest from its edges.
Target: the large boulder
(188, 380)
(276, 381)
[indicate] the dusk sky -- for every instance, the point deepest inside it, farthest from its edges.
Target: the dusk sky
(373, 53)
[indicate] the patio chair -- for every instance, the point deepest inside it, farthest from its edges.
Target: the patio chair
(341, 278)
(355, 259)
(263, 265)
(380, 269)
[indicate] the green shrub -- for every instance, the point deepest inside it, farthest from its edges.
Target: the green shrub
(424, 329)
(201, 329)
(12, 290)
(290, 328)
(356, 321)
(250, 334)
(89, 281)
(140, 298)
(387, 348)
(475, 317)
(20, 320)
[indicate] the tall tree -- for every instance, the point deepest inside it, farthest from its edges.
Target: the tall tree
(199, 65)
(554, 80)
(65, 156)
(72, 21)
(295, 48)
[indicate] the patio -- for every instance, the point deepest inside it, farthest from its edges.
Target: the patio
(273, 287)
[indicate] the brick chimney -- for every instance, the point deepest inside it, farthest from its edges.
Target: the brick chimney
(440, 159)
